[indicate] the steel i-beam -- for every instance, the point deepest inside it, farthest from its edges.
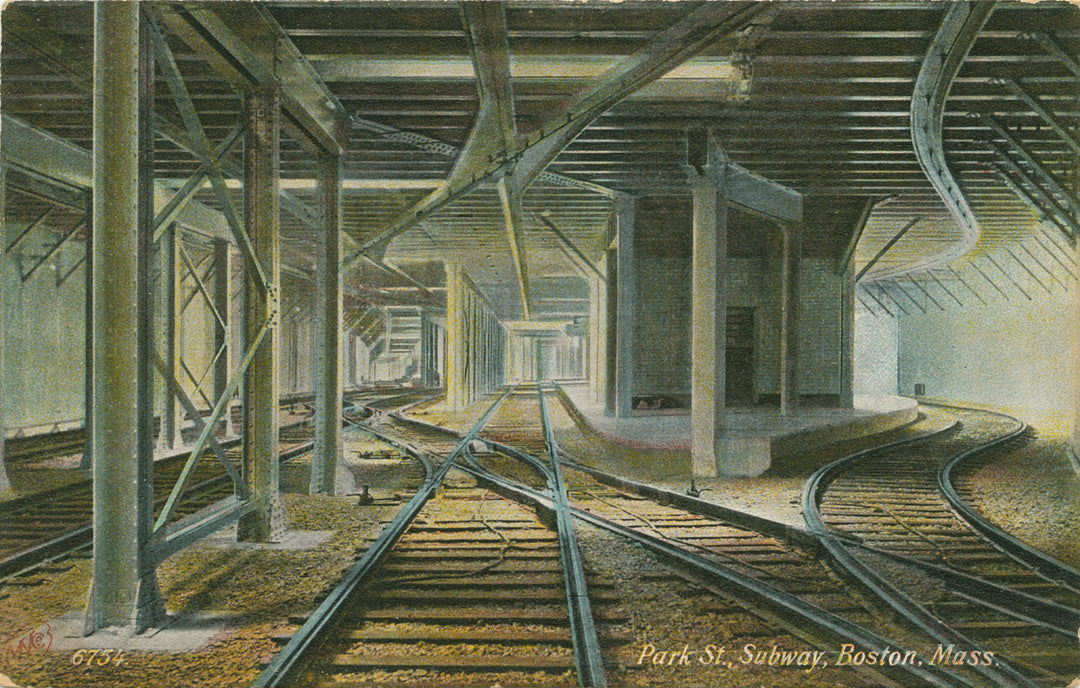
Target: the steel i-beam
(123, 590)
(261, 310)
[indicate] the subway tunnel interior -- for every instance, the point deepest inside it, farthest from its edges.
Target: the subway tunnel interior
(292, 291)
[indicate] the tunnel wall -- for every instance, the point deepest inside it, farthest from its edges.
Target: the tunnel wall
(875, 354)
(44, 347)
(1017, 353)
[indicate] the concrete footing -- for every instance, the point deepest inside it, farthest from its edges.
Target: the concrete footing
(751, 440)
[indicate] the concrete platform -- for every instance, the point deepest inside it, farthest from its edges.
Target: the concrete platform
(752, 439)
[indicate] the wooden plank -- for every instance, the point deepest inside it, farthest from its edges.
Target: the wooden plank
(452, 662)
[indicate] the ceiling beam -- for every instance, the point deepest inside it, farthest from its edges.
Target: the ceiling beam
(31, 148)
(1037, 168)
(686, 38)
(692, 34)
(245, 44)
(495, 129)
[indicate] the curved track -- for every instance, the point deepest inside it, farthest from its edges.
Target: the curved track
(766, 567)
(899, 500)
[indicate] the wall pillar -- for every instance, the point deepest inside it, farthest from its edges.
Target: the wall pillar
(708, 331)
(260, 446)
(327, 344)
(789, 320)
(847, 337)
(86, 461)
(598, 338)
(456, 304)
(123, 590)
(624, 304)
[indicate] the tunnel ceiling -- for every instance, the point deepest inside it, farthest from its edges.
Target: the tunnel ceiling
(816, 96)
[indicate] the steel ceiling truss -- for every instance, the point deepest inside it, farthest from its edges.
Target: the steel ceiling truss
(526, 162)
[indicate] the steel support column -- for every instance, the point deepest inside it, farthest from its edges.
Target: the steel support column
(847, 336)
(88, 333)
(262, 304)
(5, 484)
(124, 590)
(222, 328)
(168, 312)
(789, 320)
(625, 297)
(708, 330)
(456, 305)
(327, 372)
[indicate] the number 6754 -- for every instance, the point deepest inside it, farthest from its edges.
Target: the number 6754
(97, 657)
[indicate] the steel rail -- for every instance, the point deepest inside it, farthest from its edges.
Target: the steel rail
(587, 658)
(288, 659)
(73, 540)
(1021, 552)
(1025, 606)
(840, 555)
(781, 604)
(784, 609)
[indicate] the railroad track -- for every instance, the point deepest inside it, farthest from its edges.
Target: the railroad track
(749, 572)
(996, 651)
(23, 450)
(471, 591)
(47, 532)
(462, 582)
(773, 571)
(997, 595)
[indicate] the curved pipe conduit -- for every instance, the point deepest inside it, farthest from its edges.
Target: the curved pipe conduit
(947, 52)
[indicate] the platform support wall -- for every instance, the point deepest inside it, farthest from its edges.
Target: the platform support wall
(260, 447)
(789, 319)
(708, 330)
(123, 590)
(327, 349)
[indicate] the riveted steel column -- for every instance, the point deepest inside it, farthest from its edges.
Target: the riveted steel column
(167, 315)
(260, 427)
(625, 298)
(708, 330)
(88, 330)
(123, 591)
(847, 337)
(456, 303)
(222, 304)
(5, 484)
(327, 368)
(789, 316)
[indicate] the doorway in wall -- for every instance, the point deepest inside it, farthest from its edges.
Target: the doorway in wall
(740, 357)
